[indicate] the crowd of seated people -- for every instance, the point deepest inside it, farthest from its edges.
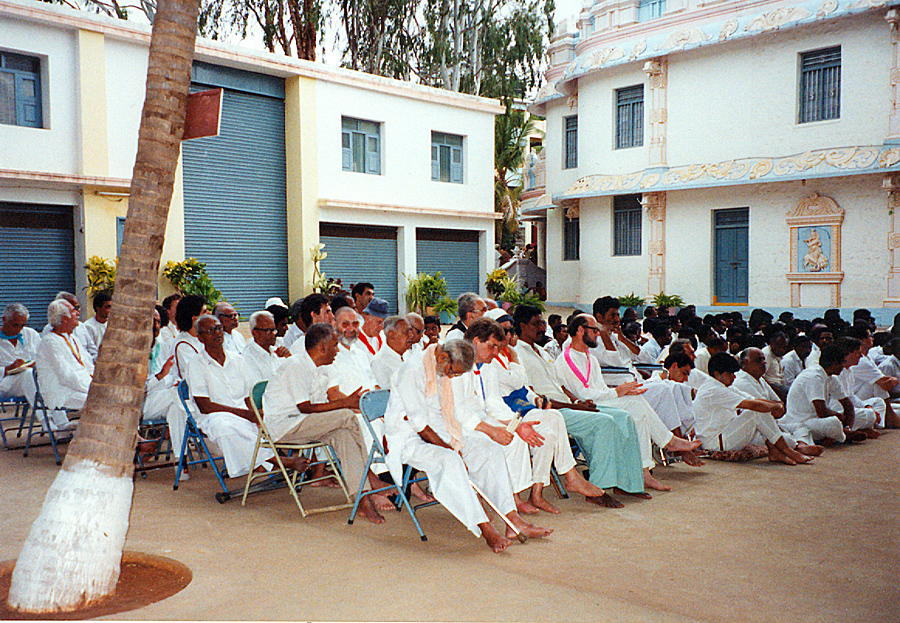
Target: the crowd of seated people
(499, 402)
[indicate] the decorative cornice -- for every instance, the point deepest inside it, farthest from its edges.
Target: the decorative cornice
(694, 29)
(341, 204)
(836, 162)
(61, 181)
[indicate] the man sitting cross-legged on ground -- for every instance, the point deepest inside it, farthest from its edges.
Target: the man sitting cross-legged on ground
(423, 431)
(866, 413)
(299, 406)
(579, 372)
(607, 435)
(808, 417)
(220, 385)
(729, 420)
(506, 395)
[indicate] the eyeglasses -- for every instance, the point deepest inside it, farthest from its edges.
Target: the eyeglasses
(265, 330)
(234, 315)
(216, 329)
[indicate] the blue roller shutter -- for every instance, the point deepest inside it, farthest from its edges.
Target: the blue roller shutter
(235, 207)
(454, 253)
(362, 254)
(38, 256)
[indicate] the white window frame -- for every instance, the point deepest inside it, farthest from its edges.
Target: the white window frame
(451, 147)
(360, 145)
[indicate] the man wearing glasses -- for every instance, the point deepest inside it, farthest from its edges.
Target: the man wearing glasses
(262, 357)
(234, 341)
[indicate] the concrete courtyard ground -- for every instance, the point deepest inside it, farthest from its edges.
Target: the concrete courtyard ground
(750, 542)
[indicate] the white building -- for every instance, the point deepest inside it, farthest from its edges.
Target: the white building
(395, 178)
(737, 153)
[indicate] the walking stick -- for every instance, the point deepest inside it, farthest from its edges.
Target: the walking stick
(519, 535)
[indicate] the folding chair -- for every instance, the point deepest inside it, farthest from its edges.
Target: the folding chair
(293, 478)
(145, 428)
(372, 406)
(196, 437)
(40, 405)
(20, 415)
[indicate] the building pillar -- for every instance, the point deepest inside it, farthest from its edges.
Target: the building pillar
(655, 204)
(891, 184)
(893, 19)
(657, 70)
(301, 161)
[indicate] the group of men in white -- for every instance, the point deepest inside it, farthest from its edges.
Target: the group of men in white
(486, 407)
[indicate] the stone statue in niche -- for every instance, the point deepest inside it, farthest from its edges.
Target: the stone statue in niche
(815, 260)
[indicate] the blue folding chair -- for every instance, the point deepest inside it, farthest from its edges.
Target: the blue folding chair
(197, 439)
(158, 426)
(19, 415)
(372, 406)
(41, 406)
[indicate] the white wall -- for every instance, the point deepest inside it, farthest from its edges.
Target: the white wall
(126, 77)
(405, 151)
(52, 148)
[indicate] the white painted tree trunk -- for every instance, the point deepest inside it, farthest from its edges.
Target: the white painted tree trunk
(71, 540)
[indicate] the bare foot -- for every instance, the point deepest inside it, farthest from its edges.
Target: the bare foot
(871, 433)
(576, 483)
(690, 458)
(854, 435)
(809, 450)
(298, 463)
(543, 504)
(523, 506)
(529, 530)
(827, 442)
(417, 492)
(382, 502)
(777, 456)
(367, 510)
(605, 500)
(652, 483)
(643, 495)
(682, 445)
(496, 541)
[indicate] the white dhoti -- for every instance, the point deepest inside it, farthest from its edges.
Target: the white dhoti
(672, 403)
(866, 416)
(648, 424)
(236, 438)
(750, 427)
(815, 429)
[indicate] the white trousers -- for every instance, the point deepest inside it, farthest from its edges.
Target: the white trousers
(449, 477)
(235, 438)
(749, 427)
(21, 384)
(865, 417)
(672, 403)
(815, 429)
(646, 421)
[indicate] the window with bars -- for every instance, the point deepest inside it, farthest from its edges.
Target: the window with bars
(571, 134)
(571, 239)
(650, 9)
(627, 217)
(20, 90)
(360, 146)
(630, 117)
(446, 158)
(820, 85)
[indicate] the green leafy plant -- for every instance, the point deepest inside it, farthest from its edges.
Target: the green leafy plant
(445, 306)
(631, 300)
(101, 275)
(424, 291)
(190, 277)
(515, 297)
(668, 300)
(495, 281)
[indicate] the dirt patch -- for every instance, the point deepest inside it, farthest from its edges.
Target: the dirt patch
(144, 579)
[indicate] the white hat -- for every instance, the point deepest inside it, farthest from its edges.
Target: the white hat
(496, 314)
(275, 301)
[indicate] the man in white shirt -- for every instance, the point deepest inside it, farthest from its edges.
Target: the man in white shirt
(263, 359)
(362, 293)
(80, 330)
(867, 412)
(579, 372)
(890, 363)
(295, 331)
(314, 308)
(427, 427)
(161, 397)
(96, 326)
(867, 381)
(18, 347)
(64, 367)
(219, 385)
(776, 348)
(351, 370)
(416, 332)
(388, 360)
(795, 361)
(661, 336)
(729, 420)
(469, 308)
(713, 345)
(228, 316)
(370, 334)
(300, 406)
(187, 347)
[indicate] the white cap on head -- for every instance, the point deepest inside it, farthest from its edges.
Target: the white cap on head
(495, 314)
(276, 301)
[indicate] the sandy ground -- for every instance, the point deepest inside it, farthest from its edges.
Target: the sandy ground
(749, 542)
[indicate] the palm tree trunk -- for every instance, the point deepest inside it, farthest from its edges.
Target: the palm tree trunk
(73, 552)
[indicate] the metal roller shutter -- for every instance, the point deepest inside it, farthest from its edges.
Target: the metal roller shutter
(38, 256)
(362, 254)
(454, 253)
(235, 207)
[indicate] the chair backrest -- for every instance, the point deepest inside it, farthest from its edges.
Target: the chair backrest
(373, 404)
(256, 394)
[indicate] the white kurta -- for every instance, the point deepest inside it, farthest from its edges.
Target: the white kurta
(351, 369)
(384, 364)
(863, 377)
(186, 349)
(96, 329)
(721, 427)
(866, 412)
(64, 371)
(801, 419)
(234, 342)
(774, 374)
(293, 334)
(650, 351)
(649, 426)
(792, 366)
(262, 365)
(25, 348)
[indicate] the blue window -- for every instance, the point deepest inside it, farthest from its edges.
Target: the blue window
(571, 142)
(627, 216)
(360, 146)
(820, 85)
(446, 158)
(650, 9)
(20, 90)
(630, 117)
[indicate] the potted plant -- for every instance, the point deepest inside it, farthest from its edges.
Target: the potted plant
(445, 309)
(101, 275)
(424, 291)
(190, 277)
(512, 296)
(672, 302)
(495, 283)
(634, 301)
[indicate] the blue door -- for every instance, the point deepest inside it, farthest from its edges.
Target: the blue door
(731, 254)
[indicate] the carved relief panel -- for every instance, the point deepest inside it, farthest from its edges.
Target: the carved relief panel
(815, 257)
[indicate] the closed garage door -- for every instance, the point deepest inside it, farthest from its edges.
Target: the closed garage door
(454, 253)
(235, 210)
(38, 256)
(362, 254)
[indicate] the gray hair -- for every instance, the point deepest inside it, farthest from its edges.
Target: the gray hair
(255, 316)
(349, 310)
(744, 355)
(391, 322)
(460, 351)
(66, 296)
(219, 309)
(57, 311)
(15, 309)
(413, 316)
(201, 319)
(465, 304)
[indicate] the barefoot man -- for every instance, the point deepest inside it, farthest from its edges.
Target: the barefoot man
(579, 372)
(423, 431)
